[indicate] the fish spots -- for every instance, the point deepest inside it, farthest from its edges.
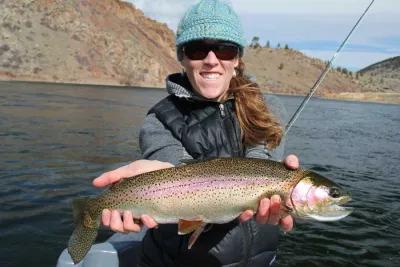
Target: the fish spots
(203, 185)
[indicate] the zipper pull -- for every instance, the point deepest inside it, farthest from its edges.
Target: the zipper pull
(222, 109)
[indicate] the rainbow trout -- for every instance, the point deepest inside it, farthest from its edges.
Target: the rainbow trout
(213, 191)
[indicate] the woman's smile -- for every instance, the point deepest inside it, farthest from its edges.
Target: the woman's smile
(210, 76)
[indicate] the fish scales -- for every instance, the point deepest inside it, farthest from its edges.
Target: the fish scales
(213, 191)
(202, 186)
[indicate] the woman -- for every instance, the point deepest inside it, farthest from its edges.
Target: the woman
(213, 110)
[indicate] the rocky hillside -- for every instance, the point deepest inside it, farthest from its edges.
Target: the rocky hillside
(291, 72)
(382, 76)
(83, 41)
(112, 42)
(287, 71)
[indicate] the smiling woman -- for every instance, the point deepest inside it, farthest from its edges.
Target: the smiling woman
(213, 110)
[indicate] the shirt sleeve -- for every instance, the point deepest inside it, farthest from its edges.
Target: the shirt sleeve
(261, 151)
(157, 143)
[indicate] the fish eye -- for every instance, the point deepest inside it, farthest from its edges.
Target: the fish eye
(334, 192)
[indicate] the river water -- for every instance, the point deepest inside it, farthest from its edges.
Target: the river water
(55, 139)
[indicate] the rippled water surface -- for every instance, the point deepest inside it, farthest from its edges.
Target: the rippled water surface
(55, 139)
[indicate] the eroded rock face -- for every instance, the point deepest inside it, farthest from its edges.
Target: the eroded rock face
(112, 42)
(84, 41)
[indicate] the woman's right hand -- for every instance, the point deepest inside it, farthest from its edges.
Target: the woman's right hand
(113, 218)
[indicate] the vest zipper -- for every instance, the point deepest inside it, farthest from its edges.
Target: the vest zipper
(222, 109)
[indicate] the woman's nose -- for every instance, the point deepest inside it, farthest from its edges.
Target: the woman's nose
(211, 58)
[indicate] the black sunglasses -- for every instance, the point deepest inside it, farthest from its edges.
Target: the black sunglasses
(199, 50)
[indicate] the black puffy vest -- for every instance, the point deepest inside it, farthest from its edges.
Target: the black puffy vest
(207, 129)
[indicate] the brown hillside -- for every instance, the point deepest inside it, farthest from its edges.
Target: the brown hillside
(291, 72)
(383, 76)
(112, 42)
(84, 41)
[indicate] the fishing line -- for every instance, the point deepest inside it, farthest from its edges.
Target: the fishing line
(324, 73)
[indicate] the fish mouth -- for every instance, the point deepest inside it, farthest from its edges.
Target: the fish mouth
(333, 211)
(342, 200)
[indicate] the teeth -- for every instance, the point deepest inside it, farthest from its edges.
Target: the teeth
(210, 76)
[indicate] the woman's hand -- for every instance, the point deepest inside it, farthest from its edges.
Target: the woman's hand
(269, 209)
(112, 218)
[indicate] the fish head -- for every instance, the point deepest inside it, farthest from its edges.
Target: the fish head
(317, 197)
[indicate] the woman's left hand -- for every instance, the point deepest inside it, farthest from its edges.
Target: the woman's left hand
(269, 209)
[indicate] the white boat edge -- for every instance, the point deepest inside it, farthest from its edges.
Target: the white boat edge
(118, 251)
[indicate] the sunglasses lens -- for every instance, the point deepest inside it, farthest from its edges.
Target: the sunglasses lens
(199, 50)
(196, 51)
(226, 51)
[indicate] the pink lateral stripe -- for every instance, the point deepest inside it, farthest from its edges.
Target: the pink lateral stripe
(198, 184)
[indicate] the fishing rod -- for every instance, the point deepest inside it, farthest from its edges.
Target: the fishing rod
(324, 73)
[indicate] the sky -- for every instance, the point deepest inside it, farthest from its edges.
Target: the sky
(315, 27)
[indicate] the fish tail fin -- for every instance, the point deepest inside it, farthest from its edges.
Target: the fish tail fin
(85, 231)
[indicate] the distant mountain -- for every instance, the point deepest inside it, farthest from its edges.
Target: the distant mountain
(383, 75)
(83, 41)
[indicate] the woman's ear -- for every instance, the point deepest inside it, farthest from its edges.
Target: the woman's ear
(236, 63)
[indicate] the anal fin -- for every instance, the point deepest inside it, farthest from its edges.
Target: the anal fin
(186, 227)
(196, 235)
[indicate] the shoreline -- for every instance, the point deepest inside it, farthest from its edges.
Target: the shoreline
(392, 98)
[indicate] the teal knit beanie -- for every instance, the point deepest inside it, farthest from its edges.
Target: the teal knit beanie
(210, 19)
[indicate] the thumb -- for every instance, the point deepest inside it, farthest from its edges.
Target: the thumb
(291, 162)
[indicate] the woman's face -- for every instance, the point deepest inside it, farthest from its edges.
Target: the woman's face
(209, 76)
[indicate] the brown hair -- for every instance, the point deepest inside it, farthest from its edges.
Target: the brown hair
(258, 124)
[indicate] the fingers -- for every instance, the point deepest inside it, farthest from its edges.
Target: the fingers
(263, 211)
(106, 217)
(287, 223)
(126, 223)
(274, 210)
(269, 212)
(116, 223)
(291, 162)
(246, 215)
(148, 221)
(111, 177)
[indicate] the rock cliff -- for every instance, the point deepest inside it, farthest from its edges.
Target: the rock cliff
(84, 41)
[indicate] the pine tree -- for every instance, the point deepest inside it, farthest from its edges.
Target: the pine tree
(255, 42)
